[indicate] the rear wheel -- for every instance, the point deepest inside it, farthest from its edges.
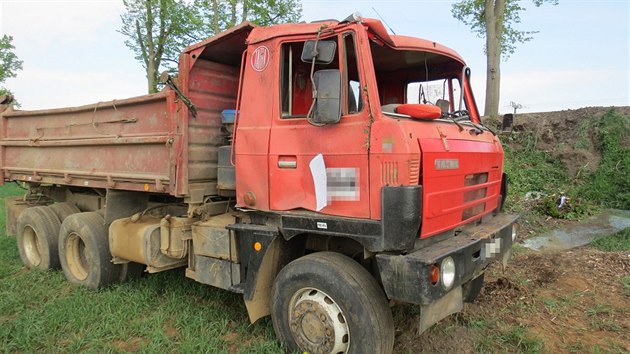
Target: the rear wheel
(327, 303)
(63, 210)
(84, 251)
(37, 232)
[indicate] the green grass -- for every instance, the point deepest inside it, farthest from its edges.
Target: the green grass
(164, 312)
(617, 242)
(509, 339)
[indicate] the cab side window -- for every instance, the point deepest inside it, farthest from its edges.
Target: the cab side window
(351, 75)
(296, 86)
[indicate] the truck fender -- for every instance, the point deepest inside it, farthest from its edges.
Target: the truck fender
(263, 265)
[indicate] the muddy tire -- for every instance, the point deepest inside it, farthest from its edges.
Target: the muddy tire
(84, 251)
(63, 210)
(37, 233)
(327, 303)
(471, 289)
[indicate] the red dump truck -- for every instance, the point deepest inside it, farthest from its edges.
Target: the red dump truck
(325, 171)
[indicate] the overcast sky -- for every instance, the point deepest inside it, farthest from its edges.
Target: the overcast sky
(73, 54)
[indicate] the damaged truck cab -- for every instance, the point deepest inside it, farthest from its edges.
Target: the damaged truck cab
(325, 171)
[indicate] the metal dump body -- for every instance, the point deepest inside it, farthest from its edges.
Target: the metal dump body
(136, 144)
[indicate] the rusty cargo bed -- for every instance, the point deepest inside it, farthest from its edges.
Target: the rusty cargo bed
(148, 143)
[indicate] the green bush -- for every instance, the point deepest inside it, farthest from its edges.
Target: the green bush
(609, 185)
(532, 169)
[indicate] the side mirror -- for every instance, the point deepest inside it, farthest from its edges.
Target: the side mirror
(508, 121)
(324, 54)
(327, 108)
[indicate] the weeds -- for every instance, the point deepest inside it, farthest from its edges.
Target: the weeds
(610, 184)
(617, 242)
(530, 169)
(599, 309)
(515, 337)
(533, 170)
(560, 207)
(602, 318)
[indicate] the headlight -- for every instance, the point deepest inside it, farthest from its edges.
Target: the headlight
(447, 268)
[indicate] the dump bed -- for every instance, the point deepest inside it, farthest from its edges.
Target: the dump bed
(150, 143)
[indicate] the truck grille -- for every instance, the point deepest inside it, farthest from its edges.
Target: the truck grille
(473, 211)
(475, 179)
(475, 194)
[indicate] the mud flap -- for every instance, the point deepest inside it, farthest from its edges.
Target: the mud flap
(259, 305)
(506, 257)
(448, 304)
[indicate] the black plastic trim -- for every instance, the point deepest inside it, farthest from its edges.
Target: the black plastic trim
(401, 215)
(251, 260)
(406, 277)
(504, 191)
(398, 229)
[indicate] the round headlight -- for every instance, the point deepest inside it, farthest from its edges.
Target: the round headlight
(447, 268)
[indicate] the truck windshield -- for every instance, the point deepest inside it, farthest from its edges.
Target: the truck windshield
(418, 77)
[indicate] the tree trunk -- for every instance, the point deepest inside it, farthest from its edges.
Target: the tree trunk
(150, 60)
(215, 22)
(151, 79)
(232, 13)
(493, 11)
(244, 18)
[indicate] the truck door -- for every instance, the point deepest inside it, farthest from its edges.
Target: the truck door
(295, 164)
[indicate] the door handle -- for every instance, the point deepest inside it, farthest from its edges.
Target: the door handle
(287, 161)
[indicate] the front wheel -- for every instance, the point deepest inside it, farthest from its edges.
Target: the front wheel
(327, 303)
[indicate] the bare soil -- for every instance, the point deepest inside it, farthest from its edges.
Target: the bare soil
(572, 301)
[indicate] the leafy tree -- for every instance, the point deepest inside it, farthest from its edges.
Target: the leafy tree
(495, 20)
(268, 12)
(157, 30)
(9, 62)
(219, 15)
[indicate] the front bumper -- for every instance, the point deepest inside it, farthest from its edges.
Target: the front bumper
(406, 278)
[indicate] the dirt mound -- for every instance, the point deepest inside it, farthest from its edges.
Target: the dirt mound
(567, 135)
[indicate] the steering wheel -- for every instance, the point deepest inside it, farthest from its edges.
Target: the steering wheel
(457, 114)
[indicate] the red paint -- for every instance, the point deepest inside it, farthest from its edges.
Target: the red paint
(89, 146)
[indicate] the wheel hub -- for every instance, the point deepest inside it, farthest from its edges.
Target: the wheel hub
(31, 246)
(76, 257)
(317, 323)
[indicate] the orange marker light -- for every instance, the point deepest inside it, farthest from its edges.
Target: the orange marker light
(257, 246)
(435, 274)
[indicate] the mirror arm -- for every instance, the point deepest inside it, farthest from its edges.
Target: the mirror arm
(309, 115)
